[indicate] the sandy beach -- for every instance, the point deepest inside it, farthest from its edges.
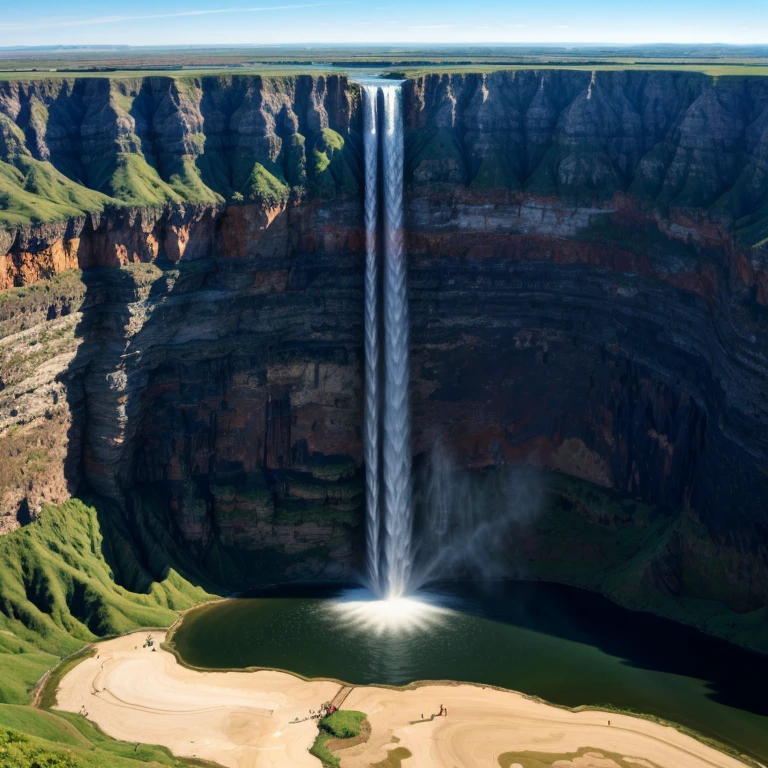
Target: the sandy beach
(244, 719)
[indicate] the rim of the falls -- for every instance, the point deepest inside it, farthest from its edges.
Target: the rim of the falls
(389, 516)
(370, 79)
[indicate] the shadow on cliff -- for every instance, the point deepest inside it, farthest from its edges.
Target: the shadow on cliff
(731, 675)
(105, 391)
(181, 439)
(109, 377)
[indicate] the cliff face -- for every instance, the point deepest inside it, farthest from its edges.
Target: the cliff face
(127, 168)
(587, 283)
(604, 315)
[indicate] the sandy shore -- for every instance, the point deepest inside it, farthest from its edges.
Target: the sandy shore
(243, 719)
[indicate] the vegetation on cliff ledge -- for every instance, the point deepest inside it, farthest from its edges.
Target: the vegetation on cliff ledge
(31, 190)
(75, 147)
(642, 558)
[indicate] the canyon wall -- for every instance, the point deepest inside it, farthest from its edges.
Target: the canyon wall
(588, 291)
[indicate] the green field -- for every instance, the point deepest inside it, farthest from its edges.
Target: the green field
(705, 68)
(717, 60)
(265, 69)
(396, 69)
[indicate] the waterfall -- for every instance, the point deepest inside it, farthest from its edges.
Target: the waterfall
(397, 423)
(387, 417)
(372, 373)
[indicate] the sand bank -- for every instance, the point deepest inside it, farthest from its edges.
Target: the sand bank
(243, 719)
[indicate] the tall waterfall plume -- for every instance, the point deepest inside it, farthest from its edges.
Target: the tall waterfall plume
(372, 353)
(387, 415)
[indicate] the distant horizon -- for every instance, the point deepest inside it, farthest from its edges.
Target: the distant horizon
(173, 23)
(385, 44)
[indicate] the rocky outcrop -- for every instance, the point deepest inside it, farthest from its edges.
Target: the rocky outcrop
(104, 172)
(226, 386)
(588, 291)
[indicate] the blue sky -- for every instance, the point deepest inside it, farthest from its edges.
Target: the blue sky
(175, 22)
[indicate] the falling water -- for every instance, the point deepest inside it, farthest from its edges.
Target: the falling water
(467, 525)
(372, 373)
(397, 423)
(387, 418)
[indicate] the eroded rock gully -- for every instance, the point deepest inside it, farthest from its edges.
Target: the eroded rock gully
(588, 293)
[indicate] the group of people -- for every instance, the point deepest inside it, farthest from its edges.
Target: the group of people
(325, 710)
(442, 713)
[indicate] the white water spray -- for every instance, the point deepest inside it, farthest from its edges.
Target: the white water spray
(387, 418)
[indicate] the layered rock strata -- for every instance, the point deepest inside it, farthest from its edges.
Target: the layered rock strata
(588, 294)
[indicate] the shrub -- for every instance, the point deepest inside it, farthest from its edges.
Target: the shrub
(343, 724)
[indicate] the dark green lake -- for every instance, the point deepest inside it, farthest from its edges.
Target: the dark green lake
(568, 646)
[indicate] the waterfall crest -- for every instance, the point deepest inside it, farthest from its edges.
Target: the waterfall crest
(387, 415)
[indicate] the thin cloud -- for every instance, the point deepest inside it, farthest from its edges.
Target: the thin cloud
(432, 26)
(50, 23)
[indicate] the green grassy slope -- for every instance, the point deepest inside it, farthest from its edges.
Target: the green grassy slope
(30, 738)
(59, 593)
(32, 190)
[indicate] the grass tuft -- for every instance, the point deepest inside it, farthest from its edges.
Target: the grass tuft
(342, 724)
(394, 758)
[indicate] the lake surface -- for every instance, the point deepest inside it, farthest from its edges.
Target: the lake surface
(566, 645)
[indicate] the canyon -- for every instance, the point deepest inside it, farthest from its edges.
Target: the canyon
(181, 322)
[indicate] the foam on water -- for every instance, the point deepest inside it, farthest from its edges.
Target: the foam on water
(360, 610)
